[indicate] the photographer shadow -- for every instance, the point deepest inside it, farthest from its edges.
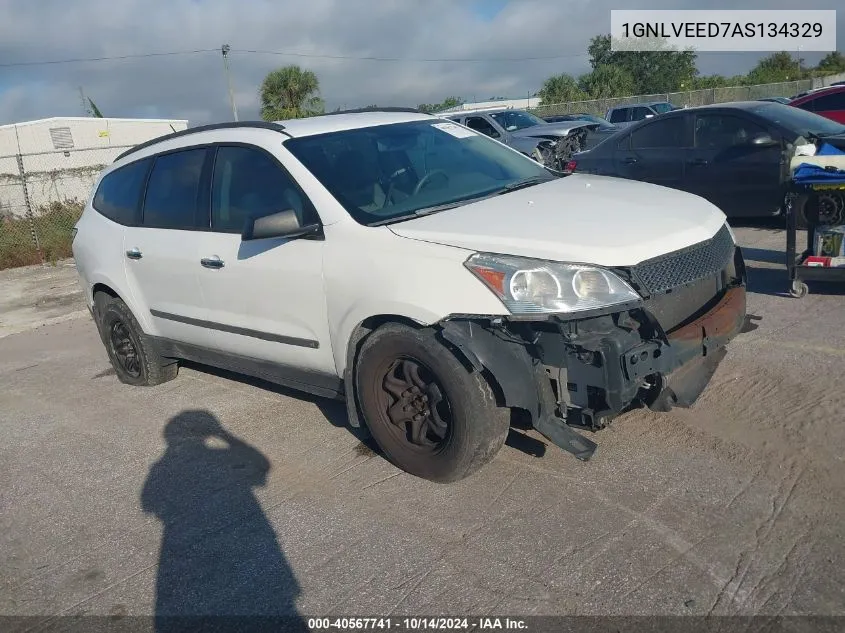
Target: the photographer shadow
(220, 564)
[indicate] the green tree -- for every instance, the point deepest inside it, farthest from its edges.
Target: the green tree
(706, 82)
(832, 64)
(290, 93)
(775, 68)
(599, 51)
(560, 89)
(448, 102)
(651, 71)
(607, 81)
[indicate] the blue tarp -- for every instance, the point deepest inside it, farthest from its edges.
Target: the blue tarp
(807, 174)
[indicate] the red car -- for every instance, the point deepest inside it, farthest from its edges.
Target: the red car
(828, 102)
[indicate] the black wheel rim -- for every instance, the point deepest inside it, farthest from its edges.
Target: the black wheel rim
(124, 349)
(414, 406)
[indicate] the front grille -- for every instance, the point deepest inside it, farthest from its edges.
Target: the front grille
(683, 267)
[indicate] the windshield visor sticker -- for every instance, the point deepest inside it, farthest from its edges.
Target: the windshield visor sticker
(455, 130)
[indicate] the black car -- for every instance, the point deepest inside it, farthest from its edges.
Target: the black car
(736, 155)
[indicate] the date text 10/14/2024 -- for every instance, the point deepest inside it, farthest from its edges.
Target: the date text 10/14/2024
(417, 624)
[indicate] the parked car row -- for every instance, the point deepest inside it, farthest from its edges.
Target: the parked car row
(436, 280)
(736, 155)
(551, 144)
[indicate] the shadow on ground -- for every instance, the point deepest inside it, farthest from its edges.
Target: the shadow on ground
(221, 566)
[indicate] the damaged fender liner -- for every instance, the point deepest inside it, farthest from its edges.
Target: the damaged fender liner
(584, 372)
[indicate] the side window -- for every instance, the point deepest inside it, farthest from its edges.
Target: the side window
(662, 133)
(618, 115)
(714, 131)
(119, 195)
(174, 192)
(639, 113)
(835, 101)
(248, 183)
(625, 143)
(480, 124)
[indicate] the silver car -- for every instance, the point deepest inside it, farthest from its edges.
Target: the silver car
(548, 143)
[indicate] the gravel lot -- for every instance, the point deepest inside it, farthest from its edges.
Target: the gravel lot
(732, 507)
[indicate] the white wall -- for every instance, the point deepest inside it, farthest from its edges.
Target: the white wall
(59, 175)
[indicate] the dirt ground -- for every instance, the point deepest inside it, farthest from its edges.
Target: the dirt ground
(110, 503)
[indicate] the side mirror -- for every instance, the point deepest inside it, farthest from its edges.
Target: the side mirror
(763, 140)
(282, 224)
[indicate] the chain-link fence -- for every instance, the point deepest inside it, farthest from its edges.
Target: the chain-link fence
(41, 197)
(681, 99)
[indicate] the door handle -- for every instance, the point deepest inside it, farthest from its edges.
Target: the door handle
(134, 253)
(629, 160)
(699, 161)
(212, 262)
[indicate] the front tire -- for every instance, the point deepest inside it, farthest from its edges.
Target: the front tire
(133, 358)
(430, 415)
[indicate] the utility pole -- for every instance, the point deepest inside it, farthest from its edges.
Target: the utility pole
(225, 50)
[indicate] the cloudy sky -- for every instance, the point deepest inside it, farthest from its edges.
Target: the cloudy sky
(330, 37)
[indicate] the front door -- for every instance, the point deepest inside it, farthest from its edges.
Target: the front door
(162, 254)
(726, 168)
(655, 152)
(264, 299)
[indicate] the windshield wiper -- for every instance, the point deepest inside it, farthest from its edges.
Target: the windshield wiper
(437, 208)
(524, 183)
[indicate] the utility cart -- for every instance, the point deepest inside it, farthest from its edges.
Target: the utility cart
(817, 199)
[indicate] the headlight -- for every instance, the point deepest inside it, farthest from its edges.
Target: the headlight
(533, 285)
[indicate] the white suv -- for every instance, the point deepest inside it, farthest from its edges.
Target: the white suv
(436, 279)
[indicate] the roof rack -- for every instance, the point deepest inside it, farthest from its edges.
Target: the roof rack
(377, 109)
(266, 125)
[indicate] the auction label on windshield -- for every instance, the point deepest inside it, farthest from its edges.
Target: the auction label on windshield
(723, 30)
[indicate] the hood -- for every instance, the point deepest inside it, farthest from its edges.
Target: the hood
(561, 128)
(580, 218)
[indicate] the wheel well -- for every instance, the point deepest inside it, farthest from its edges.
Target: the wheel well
(370, 324)
(104, 289)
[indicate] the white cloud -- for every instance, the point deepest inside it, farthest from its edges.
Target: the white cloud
(194, 86)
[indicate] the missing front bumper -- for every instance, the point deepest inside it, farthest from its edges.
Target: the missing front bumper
(584, 373)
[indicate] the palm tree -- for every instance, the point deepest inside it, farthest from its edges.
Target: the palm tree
(290, 93)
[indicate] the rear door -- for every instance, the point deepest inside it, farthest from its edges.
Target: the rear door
(740, 178)
(655, 152)
(162, 254)
(265, 298)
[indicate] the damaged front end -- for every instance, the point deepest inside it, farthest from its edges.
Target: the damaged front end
(580, 372)
(555, 152)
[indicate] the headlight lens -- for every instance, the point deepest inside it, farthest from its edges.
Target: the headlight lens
(531, 286)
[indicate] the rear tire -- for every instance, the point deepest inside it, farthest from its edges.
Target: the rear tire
(133, 358)
(431, 416)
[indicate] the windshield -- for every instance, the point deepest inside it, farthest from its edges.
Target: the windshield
(392, 172)
(662, 108)
(799, 121)
(513, 120)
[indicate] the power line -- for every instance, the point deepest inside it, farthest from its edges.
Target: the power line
(409, 59)
(78, 60)
(108, 58)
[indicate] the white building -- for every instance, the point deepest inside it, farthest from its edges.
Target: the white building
(519, 104)
(62, 156)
